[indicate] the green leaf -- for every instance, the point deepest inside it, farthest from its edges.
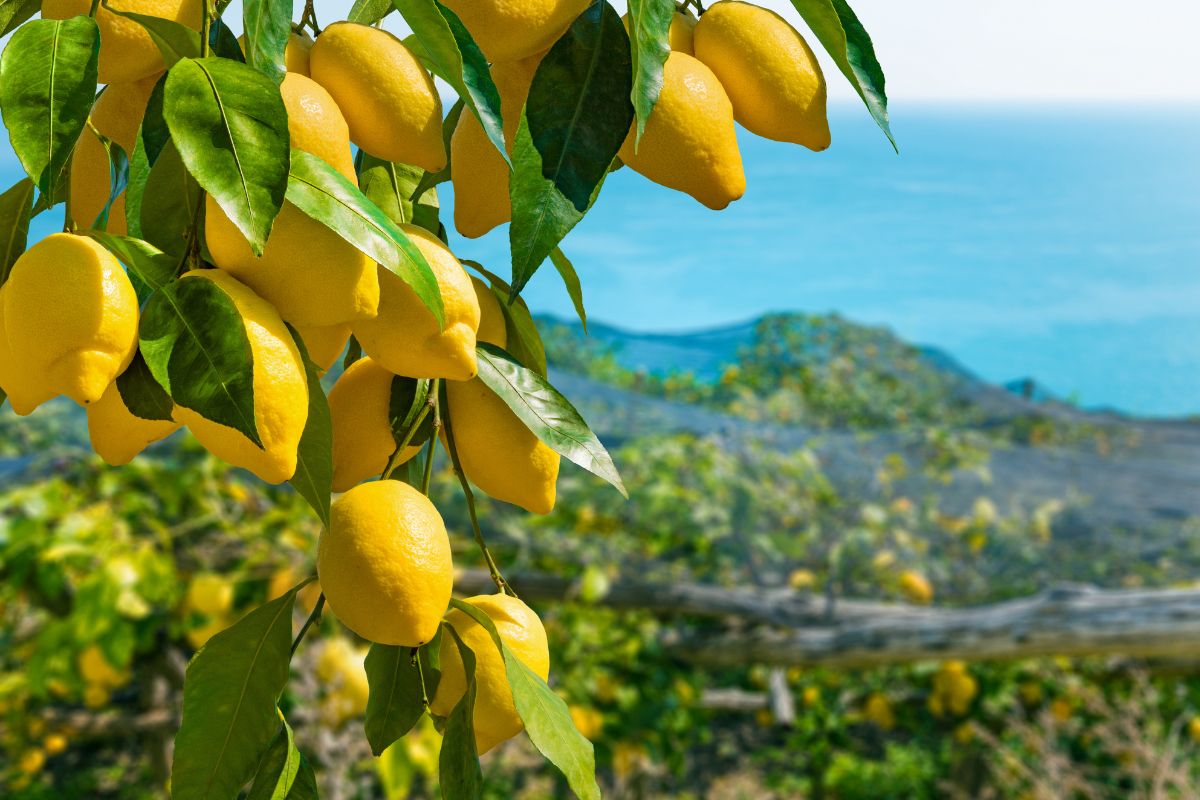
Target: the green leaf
(284, 773)
(368, 12)
(14, 13)
(268, 24)
(390, 186)
(170, 203)
(524, 340)
(47, 87)
(547, 718)
(406, 400)
(457, 59)
(230, 126)
(313, 479)
(230, 700)
(147, 265)
(458, 765)
(396, 701)
(650, 44)
(571, 279)
(141, 393)
(847, 42)
(224, 42)
(353, 353)
(432, 179)
(152, 137)
(196, 345)
(16, 206)
(173, 39)
(546, 412)
(118, 179)
(324, 194)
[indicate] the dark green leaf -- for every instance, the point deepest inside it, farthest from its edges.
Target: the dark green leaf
(353, 353)
(173, 39)
(283, 774)
(16, 206)
(396, 701)
(571, 279)
(13, 13)
(408, 397)
(141, 393)
(47, 87)
(170, 203)
(230, 699)
(268, 24)
(524, 341)
(324, 194)
(229, 124)
(313, 479)
(547, 413)
(650, 44)
(3, 397)
(118, 179)
(432, 179)
(390, 186)
(458, 765)
(149, 268)
(224, 43)
(368, 12)
(847, 42)
(196, 346)
(152, 137)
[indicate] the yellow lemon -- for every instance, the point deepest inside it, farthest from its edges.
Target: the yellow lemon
(478, 173)
(879, 711)
(387, 96)
(340, 666)
(198, 637)
(498, 453)
(491, 318)
(680, 35)
(521, 631)
(127, 53)
(588, 721)
(771, 74)
(362, 433)
(282, 580)
(916, 587)
(117, 434)
(95, 669)
(1194, 729)
(71, 317)
(210, 594)
(54, 744)
(689, 143)
(96, 696)
(24, 392)
(385, 565)
(280, 390)
(117, 114)
(405, 339)
(32, 761)
(324, 343)
(508, 30)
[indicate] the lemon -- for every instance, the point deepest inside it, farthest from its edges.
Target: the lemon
(127, 53)
(32, 761)
(689, 142)
(491, 318)
(771, 74)
(362, 434)
(71, 317)
(478, 173)
(54, 744)
(24, 392)
(117, 434)
(879, 711)
(117, 114)
(916, 587)
(282, 581)
(210, 594)
(96, 671)
(498, 453)
(508, 30)
(521, 631)
(198, 637)
(680, 35)
(384, 563)
(588, 721)
(295, 53)
(340, 666)
(388, 98)
(324, 343)
(405, 339)
(280, 390)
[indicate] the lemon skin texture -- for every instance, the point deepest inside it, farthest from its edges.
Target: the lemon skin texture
(491, 318)
(405, 339)
(362, 436)
(477, 172)
(117, 114)
(127, 53)
(498, 453)
(389, 100)
(23, 395)
(280, 390)
(71, 317)
(689, 143)
(770, 73)
(324, 344)
(495, 716)
(681, 33)
(117, 434)
(509, 30)
(385, 565)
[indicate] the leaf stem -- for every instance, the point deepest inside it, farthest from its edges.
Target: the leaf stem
(416, 657)
(205, 26)
(94, 9)
(310, 16)
(308, 623)
(394, 459)
(433, 437)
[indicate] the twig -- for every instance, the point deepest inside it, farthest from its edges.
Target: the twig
(316, 612)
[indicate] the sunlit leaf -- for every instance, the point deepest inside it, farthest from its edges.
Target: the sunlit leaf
(313, 479)
(16, 205)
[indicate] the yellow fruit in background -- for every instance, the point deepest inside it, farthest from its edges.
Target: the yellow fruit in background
(340, 666)
(325, 343)
(769, 71)
(210, 594)
(95, 670)
(1061, 710)
(280, 390)
(499, 454)
(117, 114)
(388, 98)
(198, 637)
(491, 318)
(95, 696)
(385, 564)
(916, 587)
(478, 173)
(32, 761)
(71, 317)
(127, 53)
(681, 33)
(54, 744)
(878, 710)
(689, 143)
(521, 631)
(117, 434)
(362, 434)
(24, 392)
(802, 579)
(508, 30)
(1194, 729)
(405, 339)
(283, 579)
(588, 721)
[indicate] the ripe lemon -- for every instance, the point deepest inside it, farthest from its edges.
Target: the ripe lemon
(508, 30)
(384, 563)
(771, 74)
(127, 53)
(210, 594)
(280, 390)
(295, 53)
(405, 339)
(362, 435)
(95, 670)
(680, 36)
(689, 142)
(117, 434)
(71, 316)
(498, 453)
(340, 666)
(477, 172)
(916, 587)
(491, 319)
(24, 393)
(388, 98)
(117, 114)
(521, 631)
(325, 343)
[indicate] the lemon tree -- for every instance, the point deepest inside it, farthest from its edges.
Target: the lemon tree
(241, 213)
